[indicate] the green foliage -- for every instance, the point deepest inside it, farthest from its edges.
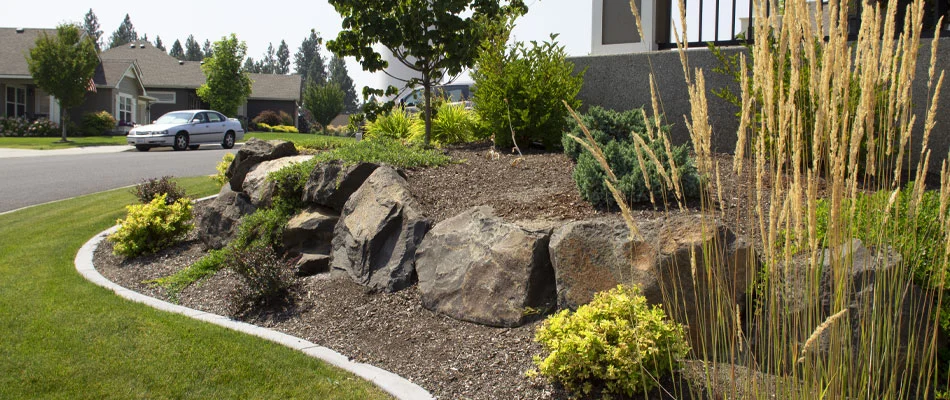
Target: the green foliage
(324, 102)
(385, 151)
(152, 227)
(617, 341)
(397, 124)
(62, 65)
(265, 278)
(222, 168)
(452, 124)
(522, 88)
(423, 34)
(308, 63)
(289, 182)
(124, 34)
(227, 86)
(341, 77)
(278, 128)
(149, 189)
(613, 132)
(203, 268)
(97, 123)
(355, 124)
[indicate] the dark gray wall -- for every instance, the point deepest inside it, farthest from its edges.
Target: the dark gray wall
(102, 100)
(185, 99)
(622, 82)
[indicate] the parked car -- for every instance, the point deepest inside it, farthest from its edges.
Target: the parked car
(456, 93)
(187, 129)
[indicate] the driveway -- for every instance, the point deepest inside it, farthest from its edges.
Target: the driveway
(30, 177)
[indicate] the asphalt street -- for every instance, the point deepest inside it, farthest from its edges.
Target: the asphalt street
(38, 178)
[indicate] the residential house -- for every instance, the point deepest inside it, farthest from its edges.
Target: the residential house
(173, 83)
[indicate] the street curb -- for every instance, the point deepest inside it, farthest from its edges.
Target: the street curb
(389, 382)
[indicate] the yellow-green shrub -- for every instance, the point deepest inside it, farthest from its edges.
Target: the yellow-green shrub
(284, 129)
(222, 168)
(397, 124)
(617, 341)
(151, 227)
(451, 124)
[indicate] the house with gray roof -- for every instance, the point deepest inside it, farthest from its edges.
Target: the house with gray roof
(173, 83)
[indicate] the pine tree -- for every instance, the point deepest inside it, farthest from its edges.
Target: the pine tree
(159, 45)
(177, 51)
(206, 49)
(91, 26)
(269, 61)
(125, 34)
(251, 66)
(192, 49)
(283, 58)
(309, 62)
(341, 78)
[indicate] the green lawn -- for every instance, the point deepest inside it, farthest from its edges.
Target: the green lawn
(304, 140)
(63, 337)
(52, 143)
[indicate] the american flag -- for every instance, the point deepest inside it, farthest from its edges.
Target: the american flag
(91, 86)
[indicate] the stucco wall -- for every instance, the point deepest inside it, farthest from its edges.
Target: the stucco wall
(621, 82)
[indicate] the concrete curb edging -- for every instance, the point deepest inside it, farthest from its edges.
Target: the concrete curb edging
(389, 382)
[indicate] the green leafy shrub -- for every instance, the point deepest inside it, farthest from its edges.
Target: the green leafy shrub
(617, 341)
(265, 278)
(222, 168)
(452, 124)
(152, 227)
(289, 182)
(355, 123)
(613, 133)
(149, 189)
(385, 151)
(13, 126)
(97, 123)
(525, 86)
(396, 124)
(263, 227)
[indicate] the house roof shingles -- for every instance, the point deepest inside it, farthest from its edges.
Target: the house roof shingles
(110, 72)
(15, 47)
(160, 70)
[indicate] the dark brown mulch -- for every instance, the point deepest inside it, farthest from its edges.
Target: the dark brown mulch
(450, 358)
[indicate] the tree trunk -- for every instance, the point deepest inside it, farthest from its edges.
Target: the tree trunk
(427, 93)
(62, 120)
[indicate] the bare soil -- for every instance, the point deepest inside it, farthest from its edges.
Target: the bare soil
(451, 359)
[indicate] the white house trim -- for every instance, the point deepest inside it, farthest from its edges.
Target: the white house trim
(646, 43)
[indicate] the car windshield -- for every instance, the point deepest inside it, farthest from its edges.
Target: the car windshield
(175, 118)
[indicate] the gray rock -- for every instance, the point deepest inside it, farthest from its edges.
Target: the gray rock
(253, 152)
(218, 223)
(256, 184)
(331, 184)
(478, 268)
(312, 264)
(597, 255)
(381, 225)
(309, 230)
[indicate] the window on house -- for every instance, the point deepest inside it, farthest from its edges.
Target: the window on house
(164, 97)
(125, 108)
(16, 101)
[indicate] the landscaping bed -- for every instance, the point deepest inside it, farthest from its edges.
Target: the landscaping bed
(450, 358)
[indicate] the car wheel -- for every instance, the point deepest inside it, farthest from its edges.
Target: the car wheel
(181, 141)
(228, 140)
(194, 147)
(141, 147)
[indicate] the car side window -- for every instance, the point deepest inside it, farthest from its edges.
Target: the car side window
(214, 117)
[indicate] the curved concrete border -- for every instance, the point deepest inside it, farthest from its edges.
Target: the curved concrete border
(393, 384)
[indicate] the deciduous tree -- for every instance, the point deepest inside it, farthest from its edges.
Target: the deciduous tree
(324, 102)
(435, 38)
(226, 86)
(63, 66)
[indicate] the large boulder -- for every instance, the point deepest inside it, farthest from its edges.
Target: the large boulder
(666, 259)
(331, 184)
(256, 184)
(380, 227)
(478, 268)
(217, 224)
(253, 152)
(310, 230)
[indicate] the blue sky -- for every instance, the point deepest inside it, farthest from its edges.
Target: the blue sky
(258, 25)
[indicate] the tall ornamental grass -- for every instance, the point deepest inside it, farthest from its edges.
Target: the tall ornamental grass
(818, 112)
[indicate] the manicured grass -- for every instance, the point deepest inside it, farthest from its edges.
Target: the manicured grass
(52, 143)
(63, 337)
(305, 140)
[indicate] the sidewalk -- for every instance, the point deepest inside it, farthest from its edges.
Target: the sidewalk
(16, 153)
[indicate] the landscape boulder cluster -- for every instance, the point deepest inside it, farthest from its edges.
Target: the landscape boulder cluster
(361, 221)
